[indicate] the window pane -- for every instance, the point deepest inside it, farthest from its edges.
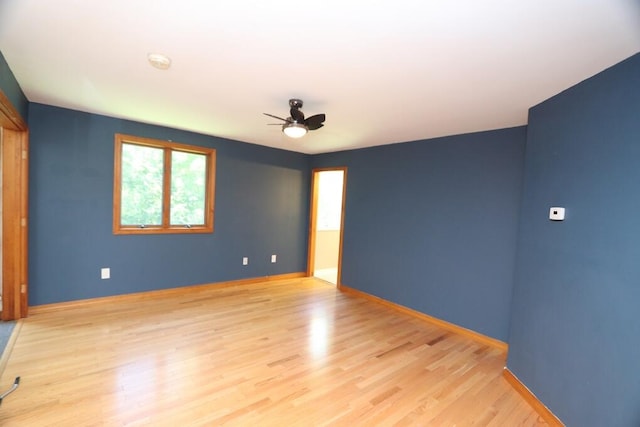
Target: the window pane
(142, 171)
(188, 188)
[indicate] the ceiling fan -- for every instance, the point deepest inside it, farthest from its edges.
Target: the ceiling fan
(296, 126)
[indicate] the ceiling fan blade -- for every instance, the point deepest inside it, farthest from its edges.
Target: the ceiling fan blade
(297, 115)
(315, 122)
(276, 117)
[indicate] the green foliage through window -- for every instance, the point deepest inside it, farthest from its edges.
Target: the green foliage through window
(188, 179)
(142, 174)
(162, 187)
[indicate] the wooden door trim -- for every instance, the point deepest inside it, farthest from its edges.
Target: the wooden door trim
(313, 219)
(10, 117)
(15, 183)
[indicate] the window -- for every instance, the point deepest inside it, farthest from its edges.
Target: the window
(162, 187)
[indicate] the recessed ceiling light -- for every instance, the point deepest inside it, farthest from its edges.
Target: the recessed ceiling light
(160, 61)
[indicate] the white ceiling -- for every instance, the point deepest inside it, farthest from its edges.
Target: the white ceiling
(382, 71)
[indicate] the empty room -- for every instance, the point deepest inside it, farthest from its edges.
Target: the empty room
(348, 213)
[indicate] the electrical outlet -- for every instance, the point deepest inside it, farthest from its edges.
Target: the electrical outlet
(273, 258)
(556, 214)
(105, 273)
(245, 260)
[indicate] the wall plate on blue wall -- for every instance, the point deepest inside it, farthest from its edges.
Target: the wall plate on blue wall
(556, 214)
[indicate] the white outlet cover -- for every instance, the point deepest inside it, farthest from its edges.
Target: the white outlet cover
(274, 258)
(556, 213)
(105, 273)
(245, 261)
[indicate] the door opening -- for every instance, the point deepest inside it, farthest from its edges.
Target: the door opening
(14, 147)
(326, 230)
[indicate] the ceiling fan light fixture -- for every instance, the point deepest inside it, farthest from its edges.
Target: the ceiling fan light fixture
(294, 130)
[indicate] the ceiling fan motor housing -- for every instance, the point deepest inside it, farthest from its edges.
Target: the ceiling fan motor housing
(295, 103)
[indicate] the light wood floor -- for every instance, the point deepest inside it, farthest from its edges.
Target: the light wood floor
(288, 353)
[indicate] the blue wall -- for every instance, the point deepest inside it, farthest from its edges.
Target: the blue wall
(9, 86)
(575, 327)
(432, 225)
(261, 208)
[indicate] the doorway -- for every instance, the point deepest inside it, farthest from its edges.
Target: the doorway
(327, 224)
(14, 148)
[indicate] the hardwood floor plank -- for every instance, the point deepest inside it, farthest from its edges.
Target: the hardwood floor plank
(294, 352)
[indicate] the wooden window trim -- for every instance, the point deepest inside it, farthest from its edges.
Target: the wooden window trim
(168, 146)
